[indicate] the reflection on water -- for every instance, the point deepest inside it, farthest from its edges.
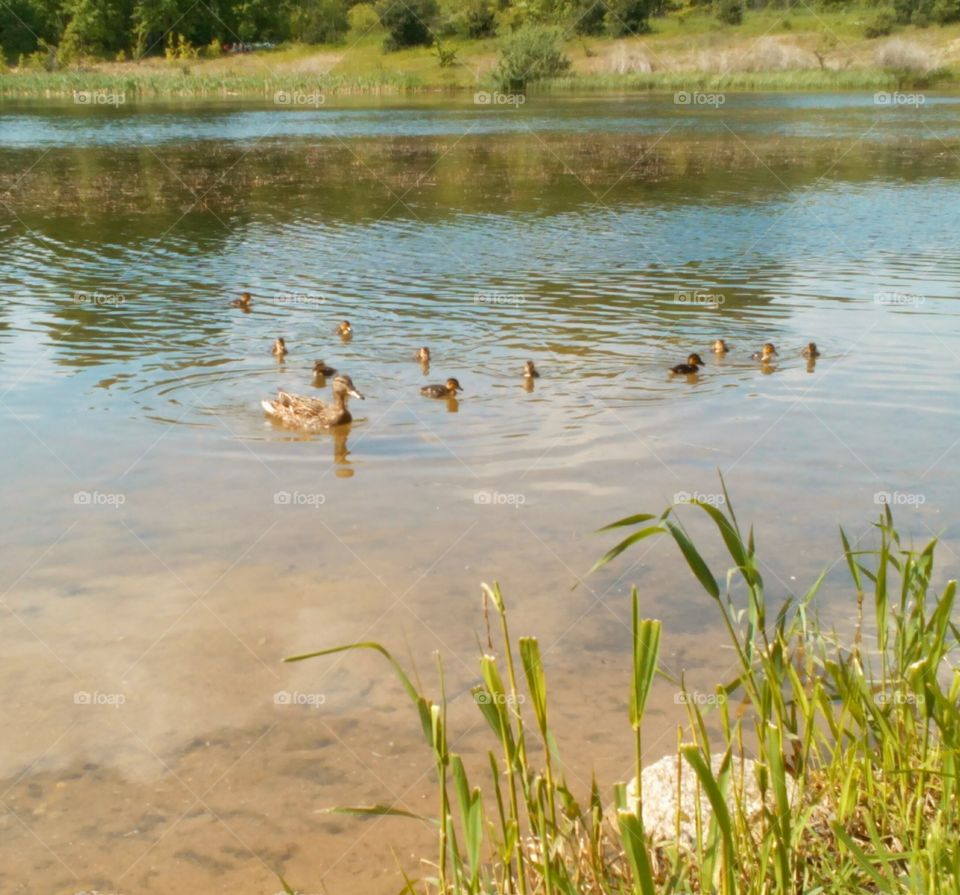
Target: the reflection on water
(167, 543)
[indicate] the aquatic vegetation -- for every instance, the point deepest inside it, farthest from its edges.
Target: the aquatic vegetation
(854, 746)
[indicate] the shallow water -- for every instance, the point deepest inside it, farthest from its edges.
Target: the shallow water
(165, 545)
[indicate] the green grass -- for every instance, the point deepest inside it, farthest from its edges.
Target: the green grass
(684, 49)
(857, 747)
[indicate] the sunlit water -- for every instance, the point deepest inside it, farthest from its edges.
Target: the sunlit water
(165, 544)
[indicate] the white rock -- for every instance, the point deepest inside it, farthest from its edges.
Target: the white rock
(660, 806)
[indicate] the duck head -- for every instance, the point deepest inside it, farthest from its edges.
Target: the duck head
(453, 386)
(343, 385)
(423, 355)
(529, 370)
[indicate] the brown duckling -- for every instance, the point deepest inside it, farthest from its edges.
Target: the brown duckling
(693, 364)
(280, 348)
(767, 354)
(312, 414)
(530, 371)
(720, 347)
(345, 329)
(244, 302)
(811, 350)
(322, 369)
(423, 355)
(448, 390)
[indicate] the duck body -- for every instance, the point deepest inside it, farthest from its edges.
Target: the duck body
(312, 414)
(423, 355)
(530, 371)
(345, 329)
(244, 302)
(767, 354)
(693, 365)
(720, 347)
(321, 368)
(448, 390)
(279, 348)
(811, 350)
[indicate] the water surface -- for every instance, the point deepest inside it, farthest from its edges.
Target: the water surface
(165, 545)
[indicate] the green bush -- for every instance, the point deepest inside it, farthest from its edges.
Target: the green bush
(408, 23)
(589, 16)
(730, 12)
(946, 11)
(531, 53)
(479, 20)
(320, 22)
(626, 17)
(881, 25)
(362, 19)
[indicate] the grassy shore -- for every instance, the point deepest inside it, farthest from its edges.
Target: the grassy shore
(822, 765)
(771, 50)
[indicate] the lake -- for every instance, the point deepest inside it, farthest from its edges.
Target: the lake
(165, 545)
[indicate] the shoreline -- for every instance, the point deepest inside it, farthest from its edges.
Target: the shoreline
(768, 52)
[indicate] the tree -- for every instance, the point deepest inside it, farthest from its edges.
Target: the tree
(625, 17)
(409, 23)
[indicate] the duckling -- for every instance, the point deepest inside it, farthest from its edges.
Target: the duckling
(720, 347)
(280, 348)
(811, 350)
(244, 302)
(767, 353)
(693, 364)
(448, 390)
(312, 414)
(345, 329)
(530, 371)
(320, 369)
(423, 355)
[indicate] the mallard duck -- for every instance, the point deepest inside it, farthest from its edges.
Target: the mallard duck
(312, 414)
(693, 364)
(530, 371)
(720, 347)
(280, 348)
(345, 329)
(767, 353)
(448, 390)
(423, 355)
(320, 369)
(243, 302)
(811, 350)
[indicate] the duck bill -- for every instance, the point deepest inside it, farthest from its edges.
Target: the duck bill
(353, 393)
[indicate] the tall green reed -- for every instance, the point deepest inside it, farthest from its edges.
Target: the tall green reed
(854, 749)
